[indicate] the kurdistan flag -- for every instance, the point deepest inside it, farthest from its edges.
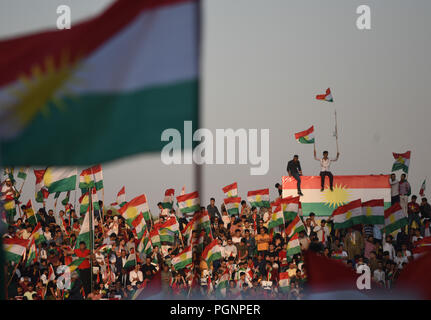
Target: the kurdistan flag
(296, 226)
(138, 60)
(131, 261)
(121, 198)
(155, 238)
(168, 230)
(402, 161)
(22, 174)
(75, 264)
(14, 248)
(139, 226)
(41, 192)
(327, 96)
(60, 179)
(212, 252)
(168, 200)
(84, 233)
(395, 219)
(86, 180)
(290, 207)
(306, 136)
(189, 202)
(231, 190)
(29, 211)
(348, 215)
(259, 198)
(276, 219)
(232, 205)
(133, 208)
(346, 189)
(373, 212)
(31, 256)
(293, 246)
(422, 189)
(284, 281)
(84, 201)
(183, 259)
(145, 245)
(37, 234)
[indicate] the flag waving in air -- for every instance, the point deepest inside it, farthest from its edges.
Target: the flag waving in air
(402, 161)
(325, 97)
(422, 190)
(306, 136)
(138, 60)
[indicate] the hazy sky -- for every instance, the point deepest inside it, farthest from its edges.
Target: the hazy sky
(264, 62)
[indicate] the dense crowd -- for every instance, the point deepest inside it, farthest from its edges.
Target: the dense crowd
(253, 258)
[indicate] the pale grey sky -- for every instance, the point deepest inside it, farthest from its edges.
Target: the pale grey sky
(263, 64)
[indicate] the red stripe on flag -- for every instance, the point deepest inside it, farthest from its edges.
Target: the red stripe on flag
(304, 133)
(258, 192)
(349, 182)
(188, 196)
(374, 203)
(350, 206)
(19, 55)
(396, 207)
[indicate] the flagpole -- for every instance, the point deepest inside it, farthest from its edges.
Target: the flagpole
(336, 130)
(91, 238)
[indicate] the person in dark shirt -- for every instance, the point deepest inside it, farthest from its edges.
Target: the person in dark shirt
(294, 170)
(213, 210)
(279, 189)
(425, 209)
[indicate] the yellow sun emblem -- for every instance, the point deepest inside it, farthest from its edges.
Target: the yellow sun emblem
(336, 198)
(43, 86)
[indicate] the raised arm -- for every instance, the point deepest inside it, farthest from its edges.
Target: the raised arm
(336, 158)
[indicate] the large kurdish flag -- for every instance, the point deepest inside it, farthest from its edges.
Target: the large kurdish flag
(290, 207)
(296, 226)
(232, 205)
(346, 189)
(183, 259)
(276, 219)
(133, 208)
(395, 218)
(306, 136)
(14, 248)
(373, 212)
(348, 215)
(212, 252)
(60, 179)
(259, 198)
(136, 61)
(189, 202)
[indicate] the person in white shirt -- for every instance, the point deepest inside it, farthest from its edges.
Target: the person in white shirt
(322, 232)
(379, 274)
(325, 163)
(400, 259)
(236, 239)
(230, 249)
(136, 276)
(395, 189)
(387, 246)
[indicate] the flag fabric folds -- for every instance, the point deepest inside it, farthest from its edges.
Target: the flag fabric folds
(402, 161)
(160, 82)
(306, 136)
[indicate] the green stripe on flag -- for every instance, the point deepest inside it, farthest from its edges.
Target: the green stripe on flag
(121, 114)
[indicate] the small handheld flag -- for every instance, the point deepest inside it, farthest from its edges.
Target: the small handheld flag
(402, 161)
(306, 136)
(422, 190)
(325, 97)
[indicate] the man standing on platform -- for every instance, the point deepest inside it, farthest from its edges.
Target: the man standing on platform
(294, 170)
(325, 163)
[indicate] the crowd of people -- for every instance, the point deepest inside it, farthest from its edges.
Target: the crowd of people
(253, 258)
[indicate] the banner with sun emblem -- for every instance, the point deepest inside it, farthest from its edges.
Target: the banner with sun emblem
(346, 189)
